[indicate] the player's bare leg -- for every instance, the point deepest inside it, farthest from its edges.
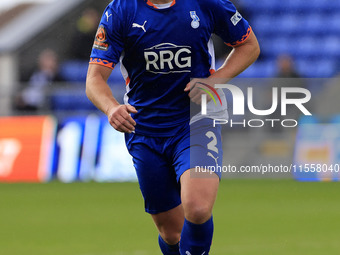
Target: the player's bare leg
(169, 224)
(198, 195)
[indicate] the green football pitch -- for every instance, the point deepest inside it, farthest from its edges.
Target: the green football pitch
(252, 217)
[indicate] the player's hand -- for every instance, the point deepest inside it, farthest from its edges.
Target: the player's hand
(120, 119)
(196, 89)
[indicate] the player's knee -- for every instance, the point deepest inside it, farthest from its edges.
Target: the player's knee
(197, 212)
(171, 237)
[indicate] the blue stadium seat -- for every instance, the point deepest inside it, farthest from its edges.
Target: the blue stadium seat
(253, 6)
(317, 68)
(331, 46)
(332, 23)
(278, 25)
(288, 24)
(335, 5)
(306, 47)
(64, 100)
(275, 46)
(265, 25)
(307, 30)
(260, 69)
(75, 71)
(320, 5)
(313, 24)
(264, 6)
(295, 6)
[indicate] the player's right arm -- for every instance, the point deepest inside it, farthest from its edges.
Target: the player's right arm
(99, 92)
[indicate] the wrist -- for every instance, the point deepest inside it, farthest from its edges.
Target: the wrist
(111, 108)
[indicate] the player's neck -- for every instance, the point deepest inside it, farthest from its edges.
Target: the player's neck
(160, 1)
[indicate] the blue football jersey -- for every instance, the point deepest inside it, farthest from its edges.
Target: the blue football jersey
(160, 50)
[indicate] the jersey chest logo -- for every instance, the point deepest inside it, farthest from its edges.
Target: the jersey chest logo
(168, 58)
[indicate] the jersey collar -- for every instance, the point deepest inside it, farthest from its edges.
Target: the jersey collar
(148, 2)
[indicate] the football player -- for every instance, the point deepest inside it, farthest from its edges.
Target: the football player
(167, 59)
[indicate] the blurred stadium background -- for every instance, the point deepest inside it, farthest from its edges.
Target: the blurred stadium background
(50, 133)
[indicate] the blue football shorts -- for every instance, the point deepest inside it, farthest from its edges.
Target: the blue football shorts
(160, 161)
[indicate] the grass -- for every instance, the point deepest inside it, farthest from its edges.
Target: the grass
(252, 217)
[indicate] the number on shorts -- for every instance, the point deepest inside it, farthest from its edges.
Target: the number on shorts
(212, 144)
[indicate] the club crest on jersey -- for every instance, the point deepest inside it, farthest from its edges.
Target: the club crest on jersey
(195, 23)
(168, 58)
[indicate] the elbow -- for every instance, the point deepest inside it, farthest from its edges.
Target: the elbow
(88, 93)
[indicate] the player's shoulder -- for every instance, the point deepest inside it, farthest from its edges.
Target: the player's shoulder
(122, 6)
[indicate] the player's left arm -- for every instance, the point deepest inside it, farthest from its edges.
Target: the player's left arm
(239, 59)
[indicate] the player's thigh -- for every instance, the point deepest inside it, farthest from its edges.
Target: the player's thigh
(198, 194)
(156, 177)
(199, 185)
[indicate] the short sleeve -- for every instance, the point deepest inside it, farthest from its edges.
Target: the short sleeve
(108, 43)
(229, 24)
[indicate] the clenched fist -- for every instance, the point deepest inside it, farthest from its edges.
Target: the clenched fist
(120, 119)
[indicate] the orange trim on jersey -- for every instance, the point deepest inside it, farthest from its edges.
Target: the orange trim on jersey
(127, 81)
(102, 62)
(212, 71)
(242, 40)
(151, 4)
(154, 6)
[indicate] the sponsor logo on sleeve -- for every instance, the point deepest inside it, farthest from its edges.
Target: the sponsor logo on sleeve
(100, 42)
(236, 18)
